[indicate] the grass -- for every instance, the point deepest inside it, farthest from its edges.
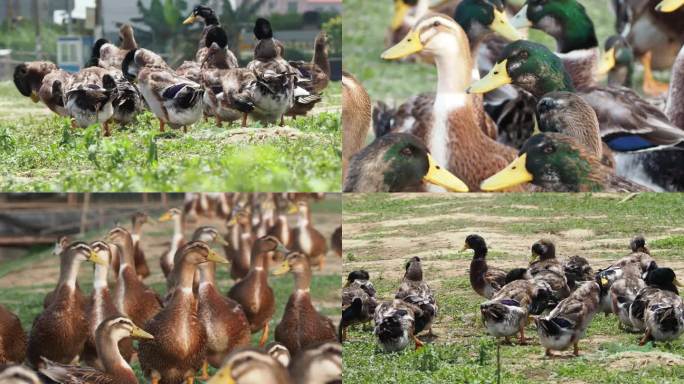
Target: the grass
(463, 352)
(365, 29)
(40, 152)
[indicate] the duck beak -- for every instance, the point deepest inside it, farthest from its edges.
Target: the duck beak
(533, 257)
(409, 45)
(281, 248)
(503, 27)
(283, 269)
(667, 6)
(34, 97)
(604, 281)
(497, 77)
(400, 11)
(190, 20)
(94, 258)
(221, 241)
(165, 217)
(676, 282)
(213, 256)
(520, 19)
(607, 62)
(465, 248)
(223, 376)
(140, 333)
(441, 177)
(514, 174)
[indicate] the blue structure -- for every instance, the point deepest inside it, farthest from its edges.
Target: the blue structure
(73, 52)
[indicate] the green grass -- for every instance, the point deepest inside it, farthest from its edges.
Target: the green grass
(463, 352)
(40, 152)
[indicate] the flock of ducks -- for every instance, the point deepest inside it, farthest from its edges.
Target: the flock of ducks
(537, 120)
(193, 325)
(121, 81)
(560, 297)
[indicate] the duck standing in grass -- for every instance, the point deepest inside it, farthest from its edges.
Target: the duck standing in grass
(417, 292)
(486, 281)
(397, 162)
(89, 96)
(43, 81)
(358, 302)
(544, 266)
(568, 322)
(657, 308)
(507, 312)
(395, 325)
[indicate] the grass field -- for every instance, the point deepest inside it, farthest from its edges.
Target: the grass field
(40, 152)
(382, 231)
(365, 29)
(25, 281)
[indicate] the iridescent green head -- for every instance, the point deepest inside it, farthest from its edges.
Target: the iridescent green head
(478, 18)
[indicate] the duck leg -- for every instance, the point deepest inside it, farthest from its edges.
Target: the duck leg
(282, 120)
(205, 370)
(244, 120)
(219, 123)
(522, 336)
(321, 263)
(185, 129)
(419, 344)
(190, 380)
(161, 125)
(105, 125)
(646, 338)
(73, 123)
(264, 336)
(651, 86)
(549, 353)
(575, 350)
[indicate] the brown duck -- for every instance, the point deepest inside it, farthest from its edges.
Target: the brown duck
(301, 325)
(321, 363)
(253, 292)
(60, 331)
(307, 239)
(137, 221)
(177, 241)
(240, 264)
(13, 347)
(251, 366)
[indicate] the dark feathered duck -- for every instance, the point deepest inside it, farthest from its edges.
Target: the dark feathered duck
(657, 308)
(212, 32)
(485, 280)
(417, 292)
(358, 302)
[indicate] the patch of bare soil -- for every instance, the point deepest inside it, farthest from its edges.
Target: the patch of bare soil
(258, 134)
(633, 360)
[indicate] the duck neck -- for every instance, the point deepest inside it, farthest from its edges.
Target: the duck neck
(304, 220)
(184, 273)
(211, 19)
(114, 364)
(68, 272)
(207, 273)
(137, 228)
(454, 65)
(259, 260)
(177, 226)
(303, 280)
(320, 57)
(675, 100)
(100, 278)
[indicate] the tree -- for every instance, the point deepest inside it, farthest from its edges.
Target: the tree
(234, 20)
(166, 32)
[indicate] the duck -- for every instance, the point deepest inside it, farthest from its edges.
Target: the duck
(107, 55)
(546, 267)
(251, 366)
(88, 98)
(223, 319)
(321, 363)
(417, 292)
(567, 323)
(617, 61)
(622, 293)
(232, 237)
(111, 332)
(485, 280)
(559, 163)
(180, 340)
(306, 238)
(18, 374)
(177, 239)
(132, 297)
(356, 118)
(506, 312)
(173, 99)
(655, 33)
(13, 348)
(43, 81)
(577, 269)
(101, 307)
(60, 331)
(273, 92)
(253, 292)
(657, 308)
(139, 219)
(625, 268)
(212, 30)
(301, 325)
(241, 261)
(336, 241)
(279, 352)
(314, 77)
(281, 228)
(395, 325)
(398, 162)
(451, 126)
(358, 302)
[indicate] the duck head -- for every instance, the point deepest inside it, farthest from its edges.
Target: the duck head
(28, 77)
(476, 243)
(565, 20)
(202, 13)
(198, 252)
(553, 161)
(414, 269)
(618, 56)
(398, 162)
(119, 327)
(528, 65)
(638, 244)
(479, 18)
(406, 10)
(662, 278)
(250, 366)
(543, 249)
(209, 235)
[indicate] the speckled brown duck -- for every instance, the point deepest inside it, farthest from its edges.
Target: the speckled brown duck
(180, 341)
(60, 331)
(253, 292)
(13, 347)
(132, 297)
(43, 81)
(307, 239)
(301, 325)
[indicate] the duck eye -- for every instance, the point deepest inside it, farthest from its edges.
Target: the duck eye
(407, 152)
(548, 149)
(436, 24)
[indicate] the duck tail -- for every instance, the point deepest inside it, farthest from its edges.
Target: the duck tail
(666, 317)
(383, 118)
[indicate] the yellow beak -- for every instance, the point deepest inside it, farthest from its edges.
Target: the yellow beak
(497, 77)
(283, 269)
(140, 333)
(221, 240)
(409, 45)
(34, 97)
(503, 27)
(191, 19)
(667, 6)
(604, 280)
(533, 257)
(514, 174)
(213, 256)
(165, 217)
(400, 11)
(223, 376)
(293, 209)
(607, 62)
(676, 282)
(441, 177)
(94, 258)
(520, 19)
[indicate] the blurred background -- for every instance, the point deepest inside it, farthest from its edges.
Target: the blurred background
(63, 31)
